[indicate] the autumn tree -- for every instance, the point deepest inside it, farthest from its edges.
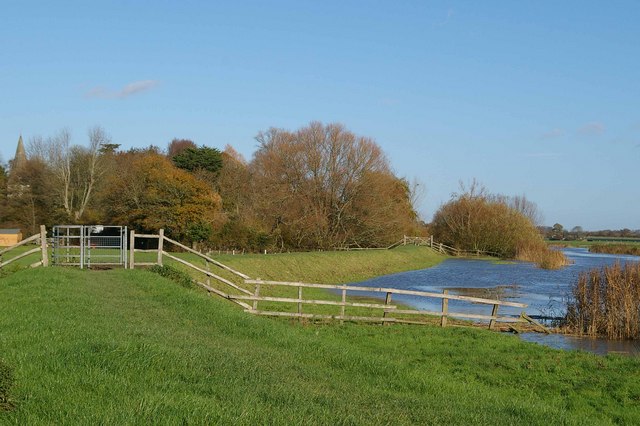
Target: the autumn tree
(148, 192)
(476, 220)
(314, 187)
(176, 146)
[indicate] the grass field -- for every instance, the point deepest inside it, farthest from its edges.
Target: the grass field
(129, 347)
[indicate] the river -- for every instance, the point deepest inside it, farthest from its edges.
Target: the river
(545, 291)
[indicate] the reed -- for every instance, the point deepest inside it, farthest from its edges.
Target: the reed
(630, 249)
(542, 255)
(606, 302)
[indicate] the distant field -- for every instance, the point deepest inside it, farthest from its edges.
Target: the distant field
(585, 243)
(130, 347)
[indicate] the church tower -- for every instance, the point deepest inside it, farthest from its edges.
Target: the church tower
(20, 160)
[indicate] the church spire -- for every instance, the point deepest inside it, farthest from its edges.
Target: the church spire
(20, 160)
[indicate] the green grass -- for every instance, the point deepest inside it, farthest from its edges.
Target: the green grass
(131, 347)
(326, 267)
(333, 267)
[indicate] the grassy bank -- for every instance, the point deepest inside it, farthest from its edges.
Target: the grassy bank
(122, 347)
(333, 267)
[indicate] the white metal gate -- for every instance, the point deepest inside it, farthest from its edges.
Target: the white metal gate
(89, 245)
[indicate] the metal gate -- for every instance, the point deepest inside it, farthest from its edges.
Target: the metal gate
(89, 246)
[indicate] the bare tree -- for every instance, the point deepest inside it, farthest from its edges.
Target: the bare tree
(75, 169)
(315, 186)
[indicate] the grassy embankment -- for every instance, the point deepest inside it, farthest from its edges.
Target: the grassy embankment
(122, 347)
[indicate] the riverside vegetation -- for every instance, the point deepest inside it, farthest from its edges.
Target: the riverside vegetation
(604, 302)
(122, 346)
(504, 226)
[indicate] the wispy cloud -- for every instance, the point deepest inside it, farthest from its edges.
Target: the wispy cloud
(544, 155)
(553, 133)
(129, 90)
(594, 128)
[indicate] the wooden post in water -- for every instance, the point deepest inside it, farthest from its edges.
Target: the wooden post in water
(43, 246)
(160, 245)
(132, 248)
(387, 300)
(494, 312)
(445, 309)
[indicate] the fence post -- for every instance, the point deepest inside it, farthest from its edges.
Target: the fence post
(300, 303)
(494, 312)
(256, 294)
(43, 246)
(342, 308)
(445, 309)
(387, 300)
(160, 245)
(431, 241)
(206, 262)
(132, 248)
(405, 241)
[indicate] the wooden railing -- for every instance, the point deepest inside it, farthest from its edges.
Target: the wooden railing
(162, 253)
(389, 313)
(387, 308)
(39, 239)
(446, 249)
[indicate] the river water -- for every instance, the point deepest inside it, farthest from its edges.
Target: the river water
(545, 291)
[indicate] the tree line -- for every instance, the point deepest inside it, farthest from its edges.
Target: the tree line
(318, 187)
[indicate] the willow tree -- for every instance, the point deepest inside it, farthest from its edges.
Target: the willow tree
(324, 186)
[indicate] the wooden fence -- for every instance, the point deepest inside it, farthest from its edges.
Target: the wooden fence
(248, 293)
(445, 249)
(387, 309)
(40, 240)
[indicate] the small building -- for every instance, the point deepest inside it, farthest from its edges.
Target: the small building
(9, 237)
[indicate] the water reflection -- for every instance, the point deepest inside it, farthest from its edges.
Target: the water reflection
(545, 291)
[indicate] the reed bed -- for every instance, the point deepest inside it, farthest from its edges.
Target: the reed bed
(606, 302)
(543, 256)
(630, 249)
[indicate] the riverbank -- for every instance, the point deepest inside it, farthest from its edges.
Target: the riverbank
(333, 267)
(121, 347)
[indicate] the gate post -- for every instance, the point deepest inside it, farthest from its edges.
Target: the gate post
(160, 245)
(132, 246)
(43, 246)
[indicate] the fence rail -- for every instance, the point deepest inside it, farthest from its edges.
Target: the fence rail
(446, 249)
(387, 307)
(250, 298)
(39, 239)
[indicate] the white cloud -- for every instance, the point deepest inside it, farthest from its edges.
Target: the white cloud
(594, 128)
(129, 90)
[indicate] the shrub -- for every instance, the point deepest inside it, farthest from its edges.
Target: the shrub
(606, 302)
(475, 220)
(174, 274)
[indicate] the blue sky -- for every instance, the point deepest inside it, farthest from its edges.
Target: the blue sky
(540, 98)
